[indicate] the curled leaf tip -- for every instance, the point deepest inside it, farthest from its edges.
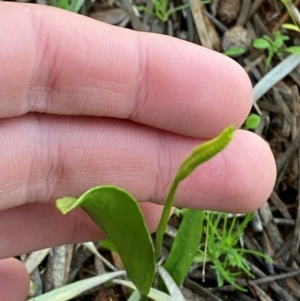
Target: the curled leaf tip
(65, 204)
(204, 152)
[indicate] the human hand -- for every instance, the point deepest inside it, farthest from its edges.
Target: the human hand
(86, 104)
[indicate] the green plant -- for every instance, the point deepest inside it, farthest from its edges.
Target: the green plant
(252, 122)
(70, 5)
(161, 9)
(117, 213)
(234, 51)
(220, 247)
(275, 47)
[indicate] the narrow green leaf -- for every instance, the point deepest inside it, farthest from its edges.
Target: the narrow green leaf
(117, 213)
(261, 44)
(204, 152)
(71, 291)
(177, 8)
(234, 51)
(291, 27)
(185, 245)
(293, 49)
(199, 155)
(172, 286)
(77, 5)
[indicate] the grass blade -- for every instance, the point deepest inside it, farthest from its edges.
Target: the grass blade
(73, 290)
(185, 245)
(154, 294)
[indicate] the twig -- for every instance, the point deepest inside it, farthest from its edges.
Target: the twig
(255, 5)
(260, 293)
(200, 24)
(201, 290)
(243, 16)
(280, 205)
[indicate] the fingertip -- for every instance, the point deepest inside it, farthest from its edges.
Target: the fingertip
(265, 174)
(205, 89)
(234, 93)
(14, 280)
(152, 213)
(259, 176)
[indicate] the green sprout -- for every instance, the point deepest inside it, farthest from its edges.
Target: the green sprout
(74, 6)
(221, 248)
(275, 47)
(118, 215)
(234, 51)
(161, 9)
(252, 122)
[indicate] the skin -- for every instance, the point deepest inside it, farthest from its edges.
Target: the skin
(86, 104)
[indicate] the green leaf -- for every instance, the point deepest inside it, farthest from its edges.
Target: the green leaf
(73, 290)
(234, 51)
(268, 39)
(291, 27)
(261, 44)
(278, 42)
(252, 122)
(108, 244)
(185, 245)
(77, 5)
(293, 49)
(117, 213)
(199, 155)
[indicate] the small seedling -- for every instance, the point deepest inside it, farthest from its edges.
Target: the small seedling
(118, 215)
(71, 5)
(275, 47)
(161, 9)
(234, 51)
(252, 122)
(220, 248)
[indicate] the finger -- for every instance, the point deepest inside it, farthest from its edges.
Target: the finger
(42, 160)
(14, 280)
(73, 65)
(38, 226)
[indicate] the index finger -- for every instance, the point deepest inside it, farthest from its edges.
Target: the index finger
(56, 62)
